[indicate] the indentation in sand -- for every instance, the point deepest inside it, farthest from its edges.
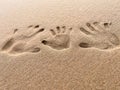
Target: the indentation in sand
(100, 36)
(60, 39)
(18, 42)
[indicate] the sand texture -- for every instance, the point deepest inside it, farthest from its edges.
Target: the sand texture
(60, 45)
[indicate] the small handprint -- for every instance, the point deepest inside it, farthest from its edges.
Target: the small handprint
(100, 35)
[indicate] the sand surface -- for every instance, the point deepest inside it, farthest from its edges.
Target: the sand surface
(60, 45)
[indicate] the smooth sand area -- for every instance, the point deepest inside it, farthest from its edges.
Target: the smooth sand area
(60, 45)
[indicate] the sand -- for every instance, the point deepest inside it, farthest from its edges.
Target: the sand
(60, 45)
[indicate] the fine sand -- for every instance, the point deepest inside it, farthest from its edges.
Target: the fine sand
(60, 45)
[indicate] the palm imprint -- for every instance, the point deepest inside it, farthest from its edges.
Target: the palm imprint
(100, 36)
(19, 42)
(60, 39)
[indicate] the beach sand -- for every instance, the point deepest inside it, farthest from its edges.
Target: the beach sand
(60, 45)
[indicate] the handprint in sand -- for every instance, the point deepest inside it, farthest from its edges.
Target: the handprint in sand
(19, 42)
(60, 39)
(100, 36)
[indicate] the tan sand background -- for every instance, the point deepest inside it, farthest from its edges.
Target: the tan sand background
(73, 68)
